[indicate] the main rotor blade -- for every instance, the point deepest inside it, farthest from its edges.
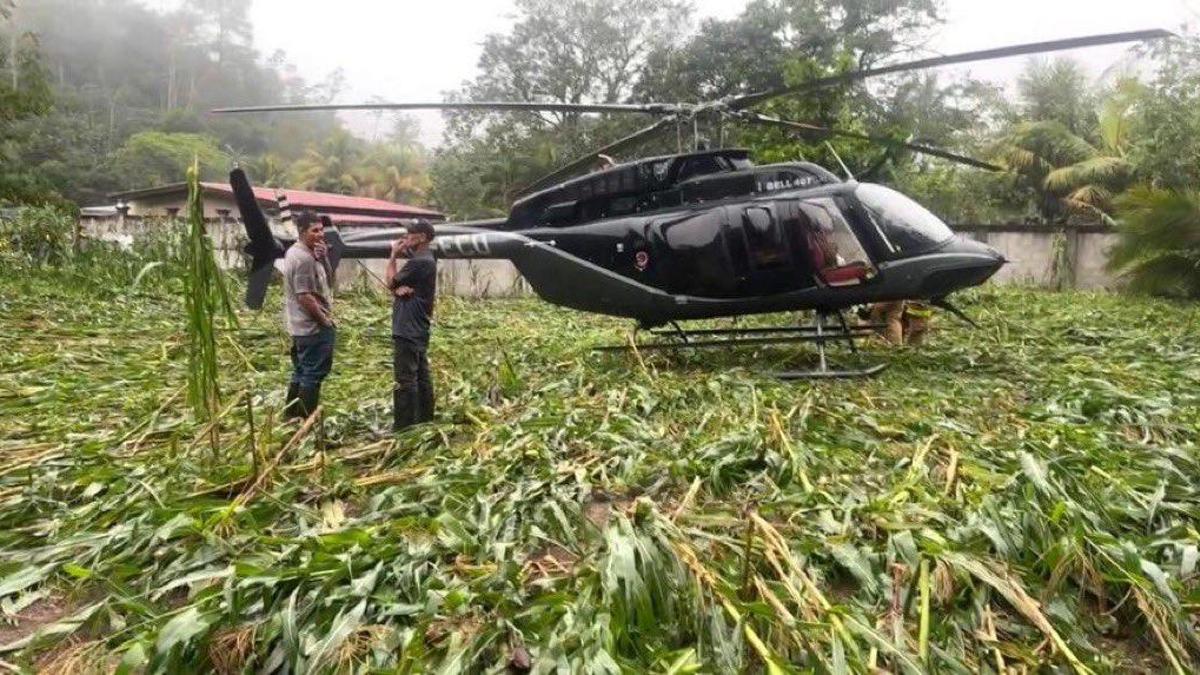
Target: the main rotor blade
(816, 130)
(647, 108)
(743, 102)
(584, 160)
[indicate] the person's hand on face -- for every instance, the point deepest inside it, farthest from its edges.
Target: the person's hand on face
(315, 239)
(400, 245)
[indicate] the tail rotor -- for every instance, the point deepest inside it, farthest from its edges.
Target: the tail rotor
(263, 248)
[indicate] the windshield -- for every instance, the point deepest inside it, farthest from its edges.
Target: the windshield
(907, 224)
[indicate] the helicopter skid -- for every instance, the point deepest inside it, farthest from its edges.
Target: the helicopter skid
(818, 333)
(831, 374)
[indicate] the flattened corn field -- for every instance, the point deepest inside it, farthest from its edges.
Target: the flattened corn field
(1021, 498)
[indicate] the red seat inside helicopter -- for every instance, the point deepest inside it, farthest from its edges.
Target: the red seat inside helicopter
(845, 275)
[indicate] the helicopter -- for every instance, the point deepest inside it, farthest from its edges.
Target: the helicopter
(704, 234)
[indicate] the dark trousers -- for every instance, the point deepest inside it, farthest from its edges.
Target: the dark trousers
(412, 394)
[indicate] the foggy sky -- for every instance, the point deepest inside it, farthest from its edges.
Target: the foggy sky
(413, 51)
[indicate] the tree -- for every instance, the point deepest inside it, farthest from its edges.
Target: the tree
(229, 24)
(25, 95)
(1069, 174)
(576, 50)
(154, 158)
(573, 51)
(964, 195)
(331, 166)
(65, 151)
(457, 188)
(395, 173)
(136, 70)
(1058, 91)
(776, 41)
(779, 42)
(269, 171)
(26, 92)
(585, 50)
(1165, 125)
(1159, 247)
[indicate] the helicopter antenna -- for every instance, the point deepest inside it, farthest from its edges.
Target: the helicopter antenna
(849, 176)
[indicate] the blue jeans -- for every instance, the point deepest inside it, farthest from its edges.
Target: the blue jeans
(312, 357)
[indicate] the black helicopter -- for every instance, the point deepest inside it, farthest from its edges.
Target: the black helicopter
(705, 234)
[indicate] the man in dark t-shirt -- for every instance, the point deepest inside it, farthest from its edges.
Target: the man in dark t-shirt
(413, 289)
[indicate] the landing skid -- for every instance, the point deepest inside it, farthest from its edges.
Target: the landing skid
(826, 373)
(819, 332)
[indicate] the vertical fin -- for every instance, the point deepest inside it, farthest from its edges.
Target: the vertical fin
(263, 247)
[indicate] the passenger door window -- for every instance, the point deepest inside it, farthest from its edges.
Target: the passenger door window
(835, 251)
(764, 239)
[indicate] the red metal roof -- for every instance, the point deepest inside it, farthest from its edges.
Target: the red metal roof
(353, 219)
(327, 202)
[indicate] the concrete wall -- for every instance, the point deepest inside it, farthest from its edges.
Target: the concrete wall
(1030, 248)
(468, 278)
(1081, 254)
(1090, 259)
(160, 205)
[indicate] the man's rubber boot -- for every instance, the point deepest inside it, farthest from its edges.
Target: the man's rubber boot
(404, 409)
(291, 408)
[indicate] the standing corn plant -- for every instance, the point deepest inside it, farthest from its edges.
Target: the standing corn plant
(205, 296)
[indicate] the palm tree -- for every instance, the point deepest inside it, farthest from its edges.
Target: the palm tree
(1159, 247)
(1071, 175)
(394, 172)
(333, 166)
(269, 171)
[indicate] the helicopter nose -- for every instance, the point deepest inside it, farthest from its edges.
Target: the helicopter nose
(963, 263)
(985, 253)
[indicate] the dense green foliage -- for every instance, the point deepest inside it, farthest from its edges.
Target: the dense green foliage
(1159, 249)
(1025, 494)
(44, 238)
(647, 54)
(36, 237)
(121, 104)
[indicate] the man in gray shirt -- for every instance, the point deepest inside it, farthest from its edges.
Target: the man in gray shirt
(308, 315)
(413, 290)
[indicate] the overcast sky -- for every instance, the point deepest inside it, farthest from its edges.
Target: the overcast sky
(414, 51)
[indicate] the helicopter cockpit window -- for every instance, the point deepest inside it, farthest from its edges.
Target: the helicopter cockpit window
(909, 226)
(765, 239)
(834, 250)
